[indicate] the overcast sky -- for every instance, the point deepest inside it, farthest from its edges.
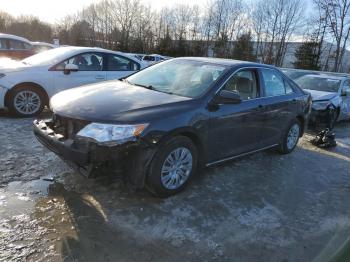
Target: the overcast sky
(54, 10)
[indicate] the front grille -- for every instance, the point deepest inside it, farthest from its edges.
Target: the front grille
(67, 127)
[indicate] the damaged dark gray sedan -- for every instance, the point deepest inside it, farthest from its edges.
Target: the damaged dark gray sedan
(163, 123)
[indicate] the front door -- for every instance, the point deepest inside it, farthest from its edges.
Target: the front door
(236, 128)
(345, 106)
(90, 71)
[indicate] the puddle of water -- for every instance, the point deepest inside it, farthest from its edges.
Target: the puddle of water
(19, 197)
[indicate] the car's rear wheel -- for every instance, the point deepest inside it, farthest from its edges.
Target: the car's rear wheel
(172, 167)
(26, 101)
(290, 137)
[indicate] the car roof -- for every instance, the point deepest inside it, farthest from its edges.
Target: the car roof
(325, 76)
(74, 50)
(14, 37)
(226, 62)
(42, 44)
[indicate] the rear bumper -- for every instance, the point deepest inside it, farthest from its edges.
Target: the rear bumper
(91, 159)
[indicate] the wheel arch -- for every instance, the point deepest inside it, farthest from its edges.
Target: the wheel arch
(32, 84)
(193, 136)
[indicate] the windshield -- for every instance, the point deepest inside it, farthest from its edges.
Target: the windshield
(181, 77)
(52, 56)
(318, 83)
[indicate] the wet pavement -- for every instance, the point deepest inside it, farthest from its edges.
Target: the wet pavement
(264, 207)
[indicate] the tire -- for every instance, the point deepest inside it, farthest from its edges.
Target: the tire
(161, 172)
(286, 146)
(33, 106)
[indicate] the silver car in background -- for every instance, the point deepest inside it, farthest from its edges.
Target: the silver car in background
(330, 97)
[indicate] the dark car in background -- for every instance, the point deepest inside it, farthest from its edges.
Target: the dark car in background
(15, 47)
(163, 123)
(330, 97)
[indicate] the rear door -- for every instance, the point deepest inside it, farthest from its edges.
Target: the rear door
(236, 128)
(280, 105)
(90, 71)
(118, 66)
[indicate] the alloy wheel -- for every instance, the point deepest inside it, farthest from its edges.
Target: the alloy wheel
(27, 102)
(293, 136)
(176, 168)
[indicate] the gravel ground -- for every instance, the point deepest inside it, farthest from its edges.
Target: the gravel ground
(264, 207)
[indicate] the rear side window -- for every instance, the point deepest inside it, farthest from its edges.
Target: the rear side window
(27, 46)
(244, 83)
(16, 45)
(3, 44)
(119, 63)
(274, 83)
(149, 58)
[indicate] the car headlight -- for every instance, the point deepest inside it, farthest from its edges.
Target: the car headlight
(115, 134)
(2, 75)
(321, 105)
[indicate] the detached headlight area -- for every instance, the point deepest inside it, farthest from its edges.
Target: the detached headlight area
(112, 134)
(321, 105)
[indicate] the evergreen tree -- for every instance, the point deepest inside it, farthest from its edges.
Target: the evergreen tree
(244, 49)
(307, 56)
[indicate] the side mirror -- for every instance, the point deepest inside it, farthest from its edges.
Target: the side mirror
(70, 68)
(227, 97)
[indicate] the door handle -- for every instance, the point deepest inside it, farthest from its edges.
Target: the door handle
(100, 77)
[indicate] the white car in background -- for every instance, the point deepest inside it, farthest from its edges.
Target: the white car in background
(26, 86)
(154, 59)
(42, 46)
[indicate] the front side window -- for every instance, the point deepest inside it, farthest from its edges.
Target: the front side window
(180, 77)
(16, 45)
(346, 86)
(119, 63)
(274, 83)
(85, 62)
(244, 83)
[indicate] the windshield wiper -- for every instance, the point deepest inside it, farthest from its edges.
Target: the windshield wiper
(150, 87)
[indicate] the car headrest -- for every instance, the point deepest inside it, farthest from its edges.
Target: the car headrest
(94, 60)
(244, 85)
(207, 77)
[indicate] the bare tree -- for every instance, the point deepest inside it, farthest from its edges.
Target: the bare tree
(338, 14)
(275, 22)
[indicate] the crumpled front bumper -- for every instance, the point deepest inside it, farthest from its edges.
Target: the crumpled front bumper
(320, 116)
(90, 159)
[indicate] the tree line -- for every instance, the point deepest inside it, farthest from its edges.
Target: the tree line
(256, 31)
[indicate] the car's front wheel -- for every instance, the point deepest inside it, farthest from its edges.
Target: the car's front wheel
(172, 167)
(291, 137)
(26, 101)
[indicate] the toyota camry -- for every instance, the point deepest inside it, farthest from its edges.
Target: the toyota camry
(160, 125)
